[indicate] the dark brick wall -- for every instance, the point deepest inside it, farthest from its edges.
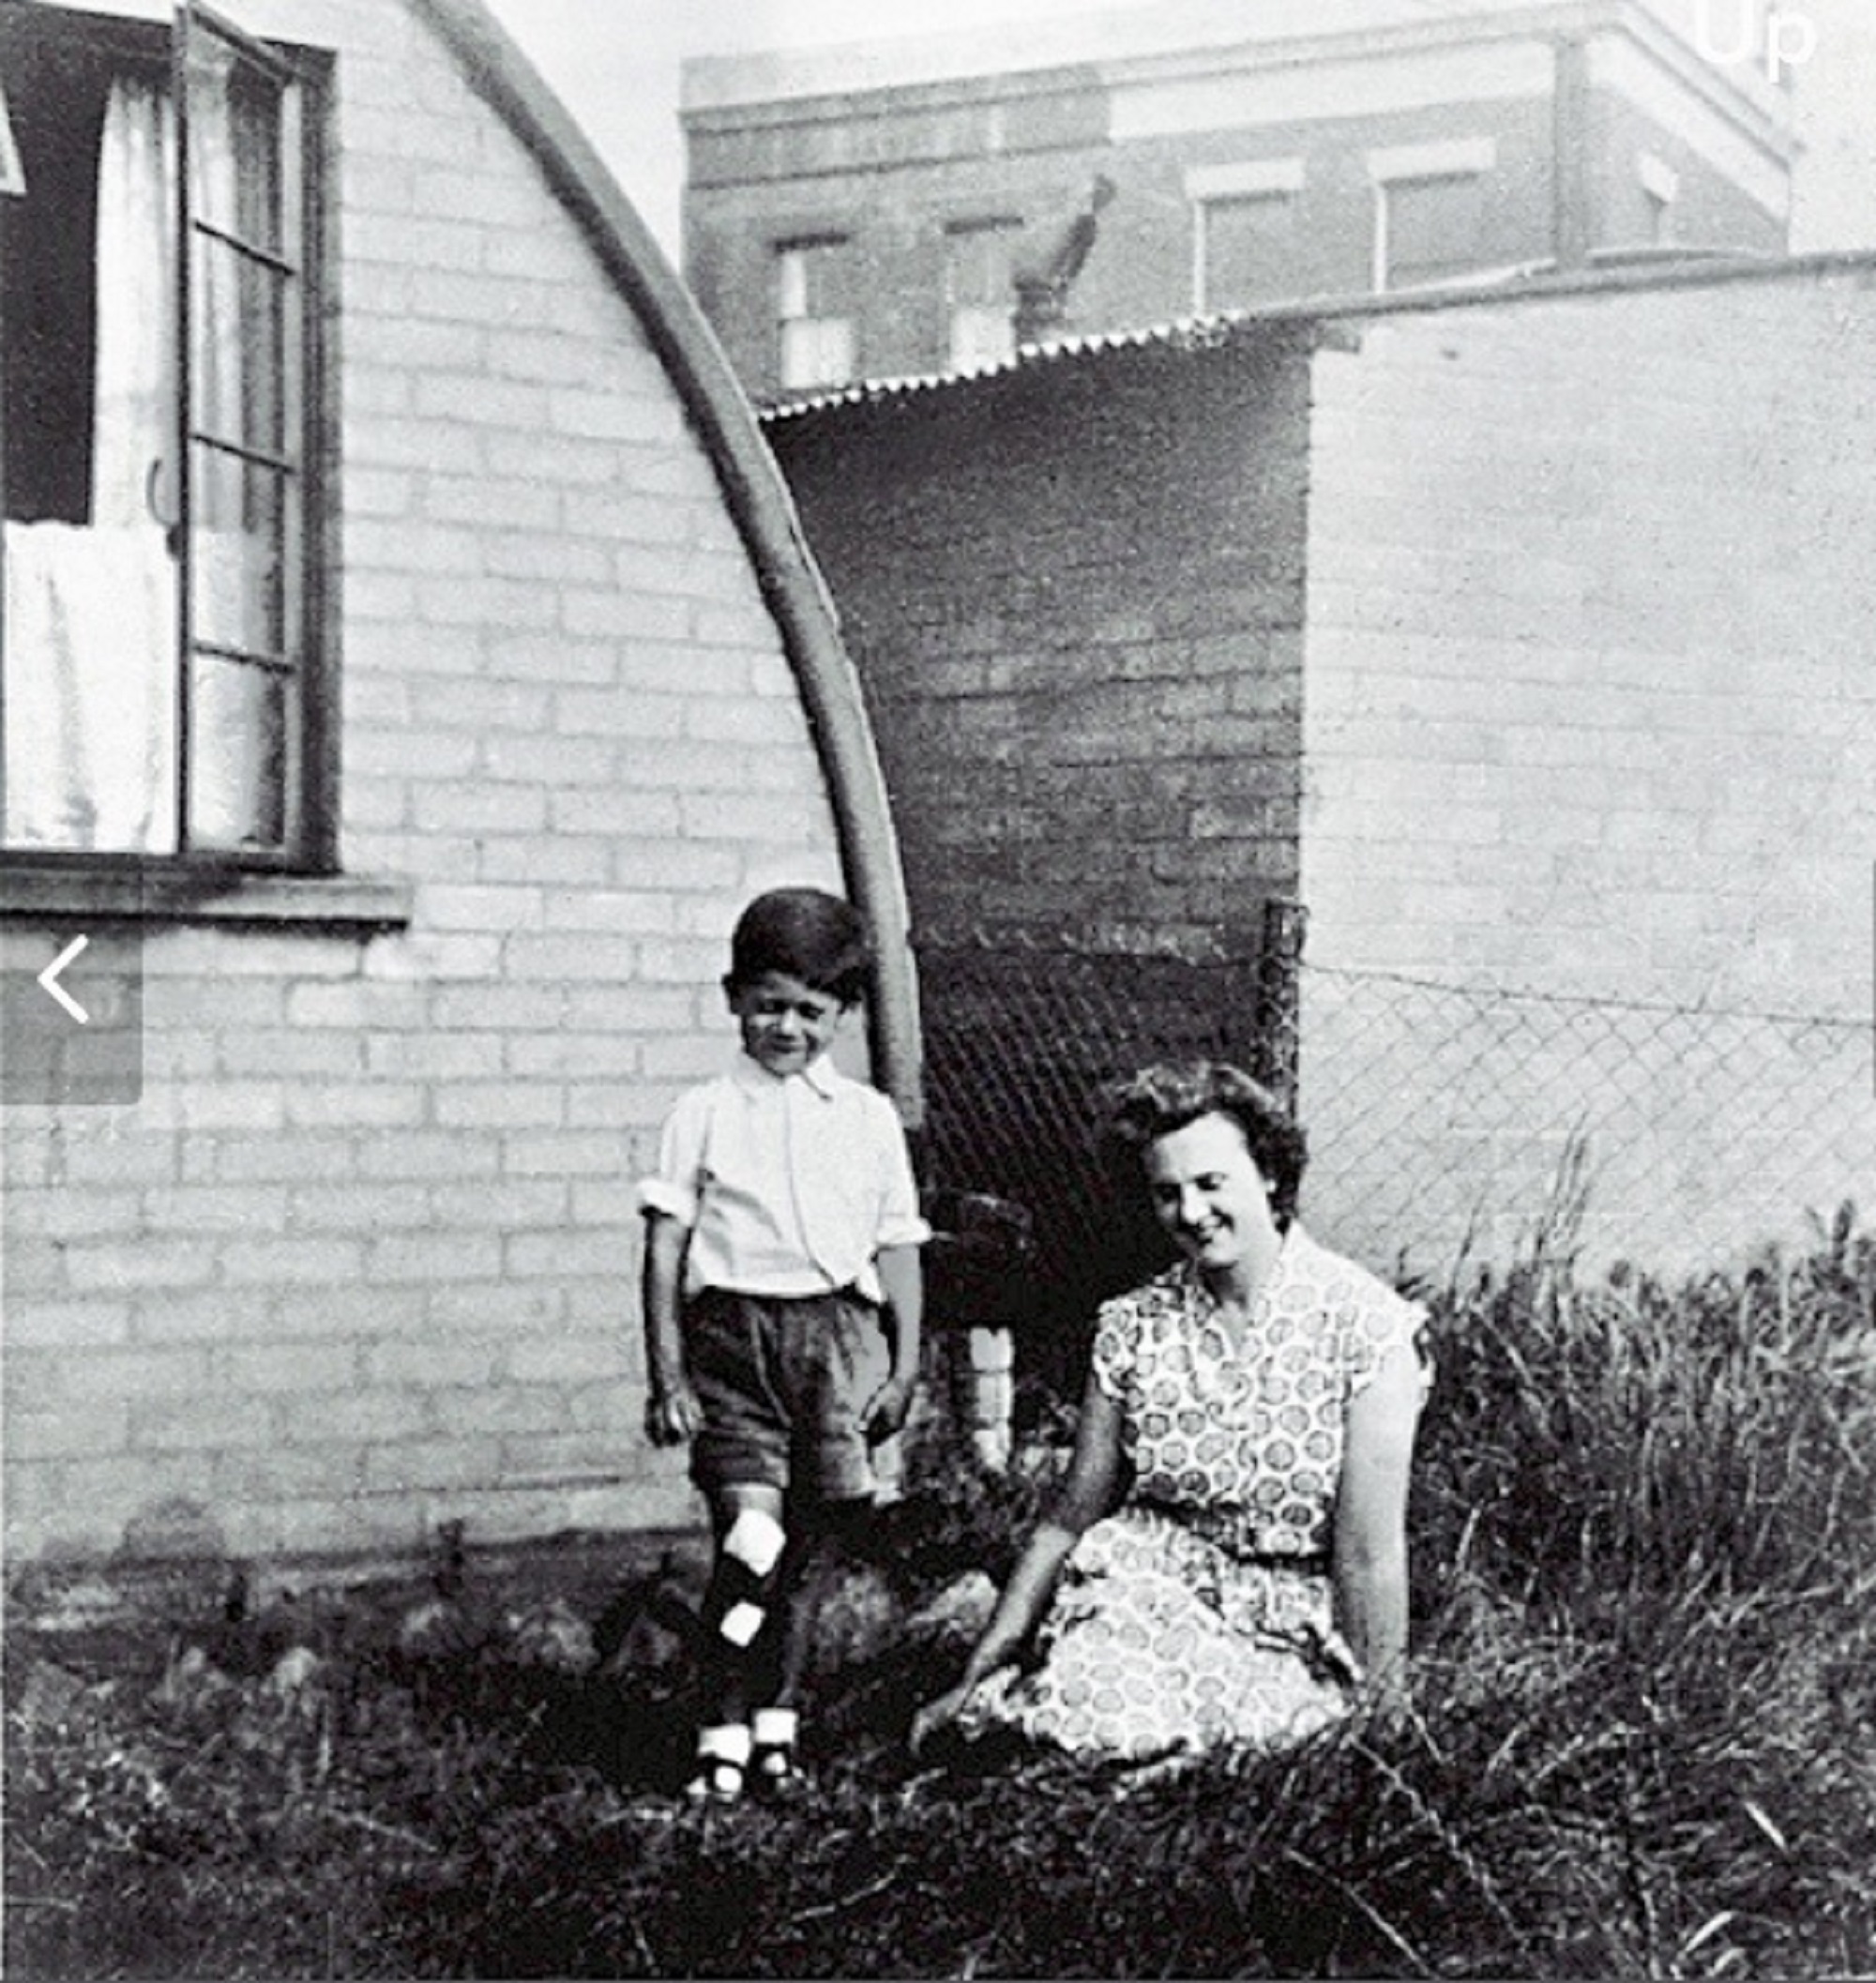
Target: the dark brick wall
(1075, 596)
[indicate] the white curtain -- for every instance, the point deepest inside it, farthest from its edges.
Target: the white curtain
(90, 629)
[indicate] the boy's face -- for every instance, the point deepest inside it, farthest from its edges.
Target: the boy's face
(786, 1025)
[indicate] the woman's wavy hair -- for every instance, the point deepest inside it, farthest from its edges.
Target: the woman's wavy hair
(1169, 1095)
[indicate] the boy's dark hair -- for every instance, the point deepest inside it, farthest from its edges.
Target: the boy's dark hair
(1165, 1097)
(805, 934)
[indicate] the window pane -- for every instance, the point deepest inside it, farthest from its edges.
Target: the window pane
(1250, 250)
(236, 184)
(240, 357)
(980, 258)
(982, 336)
(830, 279)
(792, 283)
(237, 577)
(979, 289)
(816, 324)
(239, 756)
(817, 351)
(813, 279)
(1433, 228)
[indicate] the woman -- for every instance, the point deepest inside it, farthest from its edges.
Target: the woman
(1263, 1393)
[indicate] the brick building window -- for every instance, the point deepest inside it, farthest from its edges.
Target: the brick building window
(1245, 246)
(816, 306)
(1247, 251)
(160, 646)
(1430, 212)
(980, 290)
(1660, 189)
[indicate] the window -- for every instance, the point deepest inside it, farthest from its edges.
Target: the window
(1245, 248)
(158, 643)
(1660, 187)
(1430, 212)
(980, 290)
(816, 312)
(1247, 251)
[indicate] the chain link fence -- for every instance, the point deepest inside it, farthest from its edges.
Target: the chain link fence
(1024, 1031)
(1447, 1122)
(1450, 1120)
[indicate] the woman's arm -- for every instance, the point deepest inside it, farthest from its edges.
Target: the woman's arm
(1086, 1496)
(1370, 1531)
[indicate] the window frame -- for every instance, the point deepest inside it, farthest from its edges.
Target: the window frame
(784, 251)
(1660, 191)
(1209, 186)
(42, 880)
(975, 228)
(1448, 159)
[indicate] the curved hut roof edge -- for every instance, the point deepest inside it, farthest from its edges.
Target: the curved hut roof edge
(757, 498)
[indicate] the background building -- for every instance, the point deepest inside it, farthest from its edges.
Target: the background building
(505, 680)
(1458, 707)
(877, 210)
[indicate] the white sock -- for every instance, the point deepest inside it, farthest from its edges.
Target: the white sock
(728, 1742)
(776, 1727)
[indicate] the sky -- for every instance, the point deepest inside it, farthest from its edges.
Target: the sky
(615, 64)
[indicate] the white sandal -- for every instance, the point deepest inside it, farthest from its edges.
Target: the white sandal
(772, 1750)
(722, 1761)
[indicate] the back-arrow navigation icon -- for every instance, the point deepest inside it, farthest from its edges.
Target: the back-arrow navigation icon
(49, 978)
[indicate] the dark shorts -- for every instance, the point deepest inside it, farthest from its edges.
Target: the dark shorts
(782, 1380)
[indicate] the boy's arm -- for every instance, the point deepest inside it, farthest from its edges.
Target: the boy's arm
(901, 1233)
(902, 1281)
(671, 1415)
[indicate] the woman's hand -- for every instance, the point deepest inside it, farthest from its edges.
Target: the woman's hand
(672, 1414)
(940, 1714)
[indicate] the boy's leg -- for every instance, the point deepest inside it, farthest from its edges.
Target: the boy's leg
(738, 1614)
(822, 1539)
(740, 1460)
(835, 1357)
(818, 1548)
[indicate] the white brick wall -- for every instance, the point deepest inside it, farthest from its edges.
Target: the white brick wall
(1591, 714)
(365, 1257)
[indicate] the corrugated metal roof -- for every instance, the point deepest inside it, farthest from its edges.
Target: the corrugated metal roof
(1691, 268)
(1207, 333)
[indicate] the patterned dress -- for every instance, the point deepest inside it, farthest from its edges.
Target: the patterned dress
(1200, 1614)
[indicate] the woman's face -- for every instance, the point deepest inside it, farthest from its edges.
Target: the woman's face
(1208, 1193)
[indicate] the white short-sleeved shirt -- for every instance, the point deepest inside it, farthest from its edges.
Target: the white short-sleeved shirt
(788, 1185)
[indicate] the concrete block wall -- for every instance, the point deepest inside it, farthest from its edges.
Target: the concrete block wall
(1075, 599)
(1590, 720)
(364, 1257)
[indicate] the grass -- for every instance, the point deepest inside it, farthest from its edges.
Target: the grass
(1639, 1741)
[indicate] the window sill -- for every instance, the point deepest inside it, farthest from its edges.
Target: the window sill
(77, 891)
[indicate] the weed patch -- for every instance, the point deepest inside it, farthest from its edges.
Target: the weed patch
(1638, 1743)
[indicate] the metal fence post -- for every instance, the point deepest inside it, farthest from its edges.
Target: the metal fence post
(1278, 1003)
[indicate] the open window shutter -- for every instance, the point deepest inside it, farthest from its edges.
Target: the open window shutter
(241, 303)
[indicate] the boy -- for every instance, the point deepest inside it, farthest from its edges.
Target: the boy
(783, 1306)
